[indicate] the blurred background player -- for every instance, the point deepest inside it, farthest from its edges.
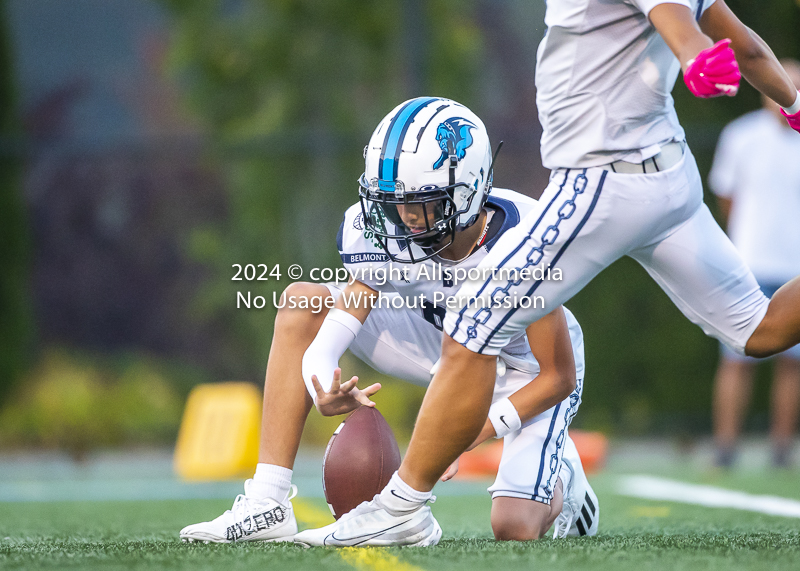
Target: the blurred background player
(436, 213)
(624, 182)
(756, 178)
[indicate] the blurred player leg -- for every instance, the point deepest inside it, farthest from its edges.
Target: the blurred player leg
(732, 389)
(706, 278)
(785, 403)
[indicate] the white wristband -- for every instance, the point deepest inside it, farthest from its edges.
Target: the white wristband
(504, 417)
(338, 330)
(795, 106)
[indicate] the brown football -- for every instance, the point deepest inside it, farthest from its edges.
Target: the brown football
(360, 459)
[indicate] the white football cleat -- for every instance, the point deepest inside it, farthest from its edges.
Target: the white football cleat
(370, 524)
(581, 512)
(250, 519)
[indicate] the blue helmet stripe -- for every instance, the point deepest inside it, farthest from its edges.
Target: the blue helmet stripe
(393, 143)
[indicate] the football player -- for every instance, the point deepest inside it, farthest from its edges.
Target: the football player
(425, 214)
(623, 183)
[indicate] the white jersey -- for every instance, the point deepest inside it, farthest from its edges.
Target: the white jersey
(432, 279)
(756, 166)
(603, 79)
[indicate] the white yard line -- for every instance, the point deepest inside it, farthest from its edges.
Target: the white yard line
(653, 488)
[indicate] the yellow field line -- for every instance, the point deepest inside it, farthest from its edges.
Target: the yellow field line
(375, 559)
(362, 558)
(650, 511)
(310, 514)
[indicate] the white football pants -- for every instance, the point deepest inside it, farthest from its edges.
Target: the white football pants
(588, 218)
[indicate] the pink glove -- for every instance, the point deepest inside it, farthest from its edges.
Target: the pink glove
(713, 72)
(794, 120)
(792, 114)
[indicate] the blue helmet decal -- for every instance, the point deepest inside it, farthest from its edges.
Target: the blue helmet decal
(454, 138)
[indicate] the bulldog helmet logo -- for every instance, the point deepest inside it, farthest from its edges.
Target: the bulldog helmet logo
(454, 138)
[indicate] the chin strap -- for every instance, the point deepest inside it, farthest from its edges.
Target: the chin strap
(451, 186)
(494, 158)
(490, 176)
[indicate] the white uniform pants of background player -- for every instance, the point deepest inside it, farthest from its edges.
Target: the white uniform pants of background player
(587, 219)
(401, 344)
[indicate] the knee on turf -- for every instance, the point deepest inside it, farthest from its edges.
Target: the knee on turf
(514, 527)
(303, 318)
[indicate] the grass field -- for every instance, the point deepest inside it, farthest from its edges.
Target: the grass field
(634, 534)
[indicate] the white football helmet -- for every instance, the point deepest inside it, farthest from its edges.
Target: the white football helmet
(427, 176)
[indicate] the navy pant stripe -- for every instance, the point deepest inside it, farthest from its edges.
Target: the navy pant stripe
(508, 257)
(544, 448)
(557, 257)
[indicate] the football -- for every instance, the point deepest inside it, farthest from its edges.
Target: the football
(360, 459)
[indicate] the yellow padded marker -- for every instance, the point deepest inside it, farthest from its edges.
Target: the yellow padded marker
(218, 437)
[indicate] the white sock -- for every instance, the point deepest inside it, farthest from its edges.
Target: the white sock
(271, 481)
(399, 497)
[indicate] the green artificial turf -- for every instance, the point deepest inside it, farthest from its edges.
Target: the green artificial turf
(634, 534)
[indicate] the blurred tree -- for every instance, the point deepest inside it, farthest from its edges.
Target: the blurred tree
(290, 91)
(15, 314)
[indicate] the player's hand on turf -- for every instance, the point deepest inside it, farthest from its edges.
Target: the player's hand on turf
(342, 398)
(451, 471)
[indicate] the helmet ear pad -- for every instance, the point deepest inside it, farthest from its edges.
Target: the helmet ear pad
(465, 196)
